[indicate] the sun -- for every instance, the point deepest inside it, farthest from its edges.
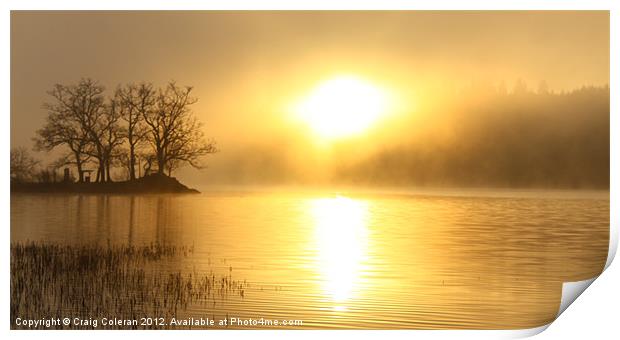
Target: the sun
(342, 106)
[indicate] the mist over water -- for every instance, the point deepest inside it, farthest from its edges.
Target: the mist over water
(477, 99)
(481, 137)
(524, 139)
(471, 187)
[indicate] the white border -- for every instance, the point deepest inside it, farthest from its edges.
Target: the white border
(8, 5)
(311, 5)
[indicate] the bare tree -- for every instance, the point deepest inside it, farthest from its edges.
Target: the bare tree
(96, 143)
(23, 165)
(175, 135)
(111, 136)
(72, 121)
(92, 129)
(134, 103)
(148, 160)
(122, 160)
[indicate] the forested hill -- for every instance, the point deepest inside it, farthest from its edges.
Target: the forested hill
(526, 139)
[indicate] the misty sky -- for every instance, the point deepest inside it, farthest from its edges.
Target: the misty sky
(249, 67)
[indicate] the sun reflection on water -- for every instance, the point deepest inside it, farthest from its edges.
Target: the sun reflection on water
(341, 234)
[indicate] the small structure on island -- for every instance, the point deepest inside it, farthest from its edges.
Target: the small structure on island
(87, 175)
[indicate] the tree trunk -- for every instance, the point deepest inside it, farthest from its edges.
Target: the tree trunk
(107, 171)
(78, 164)
(101, 171)
(132, 163)
(132, 150)
(161, 166)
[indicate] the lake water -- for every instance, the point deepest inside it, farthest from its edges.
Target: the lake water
(490, 259)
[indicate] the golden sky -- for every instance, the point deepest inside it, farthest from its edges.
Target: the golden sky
(250, 68)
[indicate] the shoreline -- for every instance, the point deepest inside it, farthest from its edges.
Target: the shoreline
(151, 184)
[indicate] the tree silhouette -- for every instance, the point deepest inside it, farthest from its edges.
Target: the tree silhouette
(72, 120)
(112, 136)
(174, 134)
(23, 165)
(134, 102)
(112, 131)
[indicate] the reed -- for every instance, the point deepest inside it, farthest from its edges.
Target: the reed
(92, 281)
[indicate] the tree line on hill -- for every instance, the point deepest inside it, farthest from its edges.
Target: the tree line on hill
(521, 139)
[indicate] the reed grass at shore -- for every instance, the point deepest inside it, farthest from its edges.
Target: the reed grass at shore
(90, 281)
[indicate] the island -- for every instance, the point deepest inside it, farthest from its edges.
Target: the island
(150, 184)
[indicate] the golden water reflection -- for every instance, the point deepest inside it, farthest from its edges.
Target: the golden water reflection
(341, 240)
(359, 262)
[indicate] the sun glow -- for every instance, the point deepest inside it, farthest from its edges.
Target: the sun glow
(343, 106)
(341, 239)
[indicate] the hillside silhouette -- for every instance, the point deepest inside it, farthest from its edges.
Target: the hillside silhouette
(522, 139)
